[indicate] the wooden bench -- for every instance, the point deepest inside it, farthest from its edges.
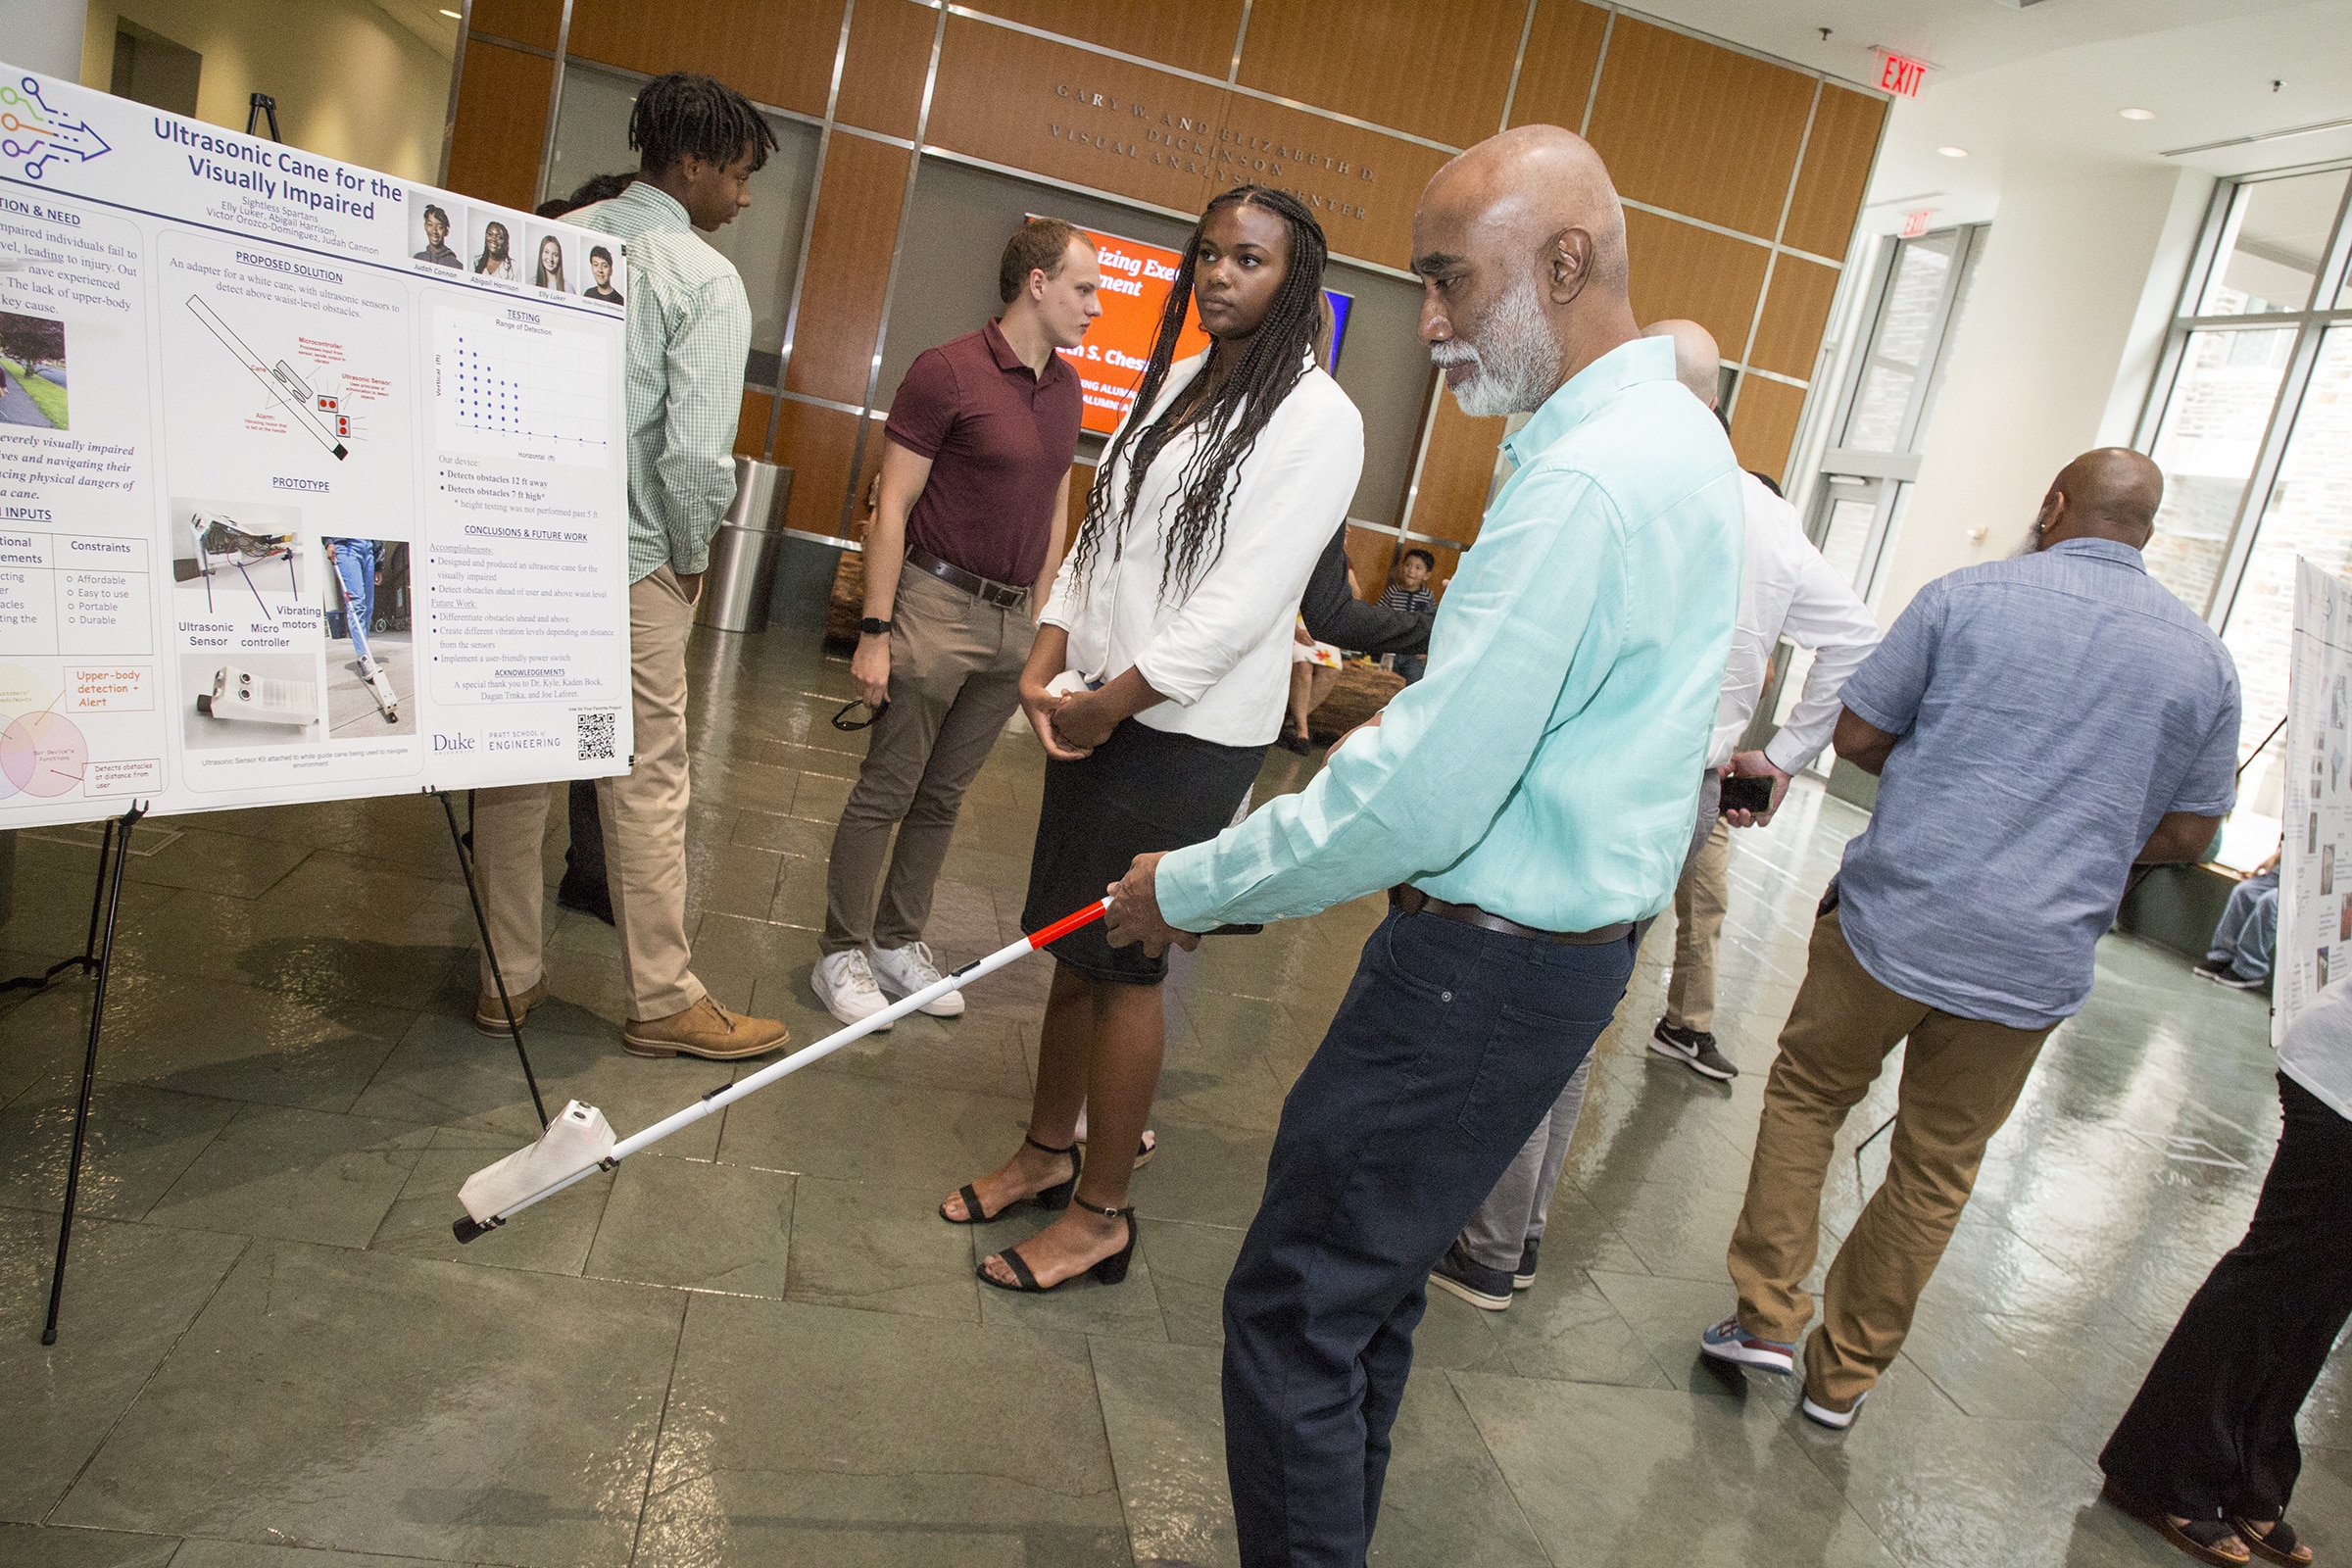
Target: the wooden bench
(1364, 689)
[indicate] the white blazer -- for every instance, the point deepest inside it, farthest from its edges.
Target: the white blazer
(1221, 653)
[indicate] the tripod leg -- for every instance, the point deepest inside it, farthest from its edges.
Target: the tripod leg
(89, 1062)
(497, 976)
(89, 945)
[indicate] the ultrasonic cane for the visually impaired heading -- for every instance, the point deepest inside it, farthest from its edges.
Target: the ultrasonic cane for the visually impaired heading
(579, 1142)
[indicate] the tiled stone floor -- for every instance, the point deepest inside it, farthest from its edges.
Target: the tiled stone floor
(755, 1345)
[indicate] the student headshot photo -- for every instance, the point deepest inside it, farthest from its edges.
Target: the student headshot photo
(436, 240)
(493, 259)
(600, 268)
(550, 272)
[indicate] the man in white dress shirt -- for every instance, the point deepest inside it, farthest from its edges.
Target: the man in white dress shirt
(1786, 589)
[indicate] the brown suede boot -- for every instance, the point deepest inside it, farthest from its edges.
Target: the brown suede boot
(705, 1029)
(491, 1018)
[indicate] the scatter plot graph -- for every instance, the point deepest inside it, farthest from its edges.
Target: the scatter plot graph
(504, 386)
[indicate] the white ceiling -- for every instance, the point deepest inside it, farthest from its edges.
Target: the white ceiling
(2045, 81)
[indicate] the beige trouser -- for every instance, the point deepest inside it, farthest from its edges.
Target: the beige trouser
(954, 679)
(644, 815)
(1961, 1078)
(1699, 904)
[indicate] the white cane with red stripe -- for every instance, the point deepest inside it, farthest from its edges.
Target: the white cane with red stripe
(572, 1150)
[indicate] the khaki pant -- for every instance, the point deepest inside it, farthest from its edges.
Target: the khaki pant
(644, 815)
(954, 679)
(1961, 1078)
(1699, 899)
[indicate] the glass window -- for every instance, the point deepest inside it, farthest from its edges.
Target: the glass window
(1899, 343)
(2309, 514)
(2275, 239)
(2206, 445)
(1849, 532)
(592, 137)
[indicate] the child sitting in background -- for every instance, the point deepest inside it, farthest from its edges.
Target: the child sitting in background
(1409, 591)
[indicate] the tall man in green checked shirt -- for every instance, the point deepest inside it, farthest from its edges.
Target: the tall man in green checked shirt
(690, 325)
(1528, 804)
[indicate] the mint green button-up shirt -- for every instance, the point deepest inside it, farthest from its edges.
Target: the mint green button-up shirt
(1547, 768)
(690, 328)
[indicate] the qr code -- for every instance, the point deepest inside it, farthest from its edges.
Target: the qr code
(595, 736)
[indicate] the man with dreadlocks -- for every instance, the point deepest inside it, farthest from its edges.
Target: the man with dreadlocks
(690, 325)
(1529, 803)
(1157, 680)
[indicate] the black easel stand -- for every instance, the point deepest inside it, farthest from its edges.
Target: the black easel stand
(98, 954)
(497, 976)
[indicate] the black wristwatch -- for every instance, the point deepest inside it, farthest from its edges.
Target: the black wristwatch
(874, 628)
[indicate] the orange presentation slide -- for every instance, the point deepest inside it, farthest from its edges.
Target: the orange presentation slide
(1134, 290)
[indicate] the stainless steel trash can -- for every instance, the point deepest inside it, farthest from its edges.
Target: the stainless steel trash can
(742, 574)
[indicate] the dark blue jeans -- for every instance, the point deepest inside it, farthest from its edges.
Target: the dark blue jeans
(1451, 1046)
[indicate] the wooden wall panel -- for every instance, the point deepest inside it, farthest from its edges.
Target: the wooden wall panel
(1082, 478)
(1383, 60)
(502, 118)
(778, 52)
(1069, 114)
(882, 78)
(1837, 159)
(751, 425)
(1796, 311)
(1555, 80)
(848, 269)
(1696, 129)
(1455, 472)
(532, 21)
(1194, 36)
(817, 445)
(1325, 165)
(1764, 425)
(1371, 555)
(1680, 270)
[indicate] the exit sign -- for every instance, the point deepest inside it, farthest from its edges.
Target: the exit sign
(1901, 74)
(1916, 223)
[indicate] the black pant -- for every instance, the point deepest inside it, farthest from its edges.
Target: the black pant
(1450, 1047)
(583, 885)
(2212, 1433)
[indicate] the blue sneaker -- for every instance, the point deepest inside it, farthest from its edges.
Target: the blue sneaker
(1727, 1341)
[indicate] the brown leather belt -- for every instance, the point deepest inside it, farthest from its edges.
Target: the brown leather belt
(1412, 900)
(1004, 595)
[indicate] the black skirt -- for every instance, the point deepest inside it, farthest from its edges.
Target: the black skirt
(1143, 790)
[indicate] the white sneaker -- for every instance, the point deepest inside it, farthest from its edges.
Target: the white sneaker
(845, 983)
(902, 971)
(1834, 1420)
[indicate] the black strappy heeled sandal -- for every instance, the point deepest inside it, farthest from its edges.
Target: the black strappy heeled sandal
(2279, 1543)
(1055, 1198)
(1108, 1271)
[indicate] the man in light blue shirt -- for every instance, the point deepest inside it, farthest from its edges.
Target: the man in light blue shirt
(2038, 726)
(1530, 801)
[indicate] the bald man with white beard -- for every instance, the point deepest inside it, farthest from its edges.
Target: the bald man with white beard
(1785, 590)
(1528, 804)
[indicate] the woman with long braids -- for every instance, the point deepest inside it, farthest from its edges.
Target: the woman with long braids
(1159, 678)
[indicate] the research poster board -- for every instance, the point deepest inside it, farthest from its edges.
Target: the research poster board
(313, 481)
(1136, 279)
(2315, 867)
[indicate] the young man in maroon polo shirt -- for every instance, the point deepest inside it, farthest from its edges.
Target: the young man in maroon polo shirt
(975, 486)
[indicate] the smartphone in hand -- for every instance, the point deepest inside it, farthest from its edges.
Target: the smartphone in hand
(1741, 793)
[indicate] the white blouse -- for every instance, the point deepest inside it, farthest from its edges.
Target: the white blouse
(1221, 654)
